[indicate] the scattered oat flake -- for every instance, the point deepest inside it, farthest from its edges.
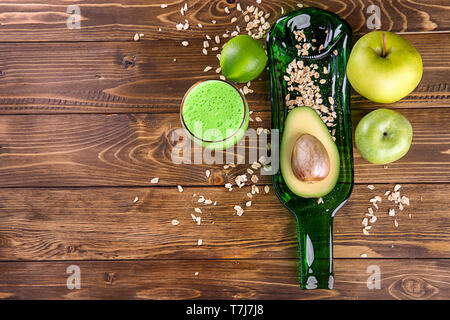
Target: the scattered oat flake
(391, 212)
(363, 255)
(256, 165)
(331, 100)
(164, 6)
(175, 222)
(196, 274)
(239, 210)
(199, 242)
(258, 119)
(198, 210)
(180, 188)
(207, 173)
(262, 159)
(185, 43)
(405, 200)
(365, 222)
(320, 200)
(208, 68)
(395, 223)
(397, 187)
(371, 187)
(154, 180)
(266, 189)
(248, 203)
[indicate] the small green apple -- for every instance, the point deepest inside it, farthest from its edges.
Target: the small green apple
(383, 136)
(384, 67)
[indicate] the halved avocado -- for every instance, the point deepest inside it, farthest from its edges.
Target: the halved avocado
(305, 121)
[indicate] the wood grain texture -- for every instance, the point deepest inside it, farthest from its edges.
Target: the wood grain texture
(103, 20)
(105, 223)
(131, 149)
(113, 77)
(88, 117)
(222, 279)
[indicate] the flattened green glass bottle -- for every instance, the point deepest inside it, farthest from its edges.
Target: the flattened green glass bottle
(332, 37)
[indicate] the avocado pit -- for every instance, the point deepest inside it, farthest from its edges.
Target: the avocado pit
(310, 160)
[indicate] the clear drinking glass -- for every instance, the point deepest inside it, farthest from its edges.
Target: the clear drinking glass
(216, 125)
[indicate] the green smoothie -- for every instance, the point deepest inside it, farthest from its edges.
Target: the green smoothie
(215, 114)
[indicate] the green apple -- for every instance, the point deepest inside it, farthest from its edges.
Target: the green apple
(242, 59)
(383, 136)
(384, 67)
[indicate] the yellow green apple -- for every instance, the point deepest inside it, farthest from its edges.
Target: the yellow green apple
(384, 67)
(383, 136)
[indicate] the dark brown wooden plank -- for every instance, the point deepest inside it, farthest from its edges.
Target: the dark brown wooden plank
(130, 149)
(104, 77)
(103, 20)
(223, 279)
(106, 223)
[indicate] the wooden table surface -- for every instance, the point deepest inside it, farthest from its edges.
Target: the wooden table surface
(89, 116)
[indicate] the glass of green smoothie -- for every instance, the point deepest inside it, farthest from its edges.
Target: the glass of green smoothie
(215, 114)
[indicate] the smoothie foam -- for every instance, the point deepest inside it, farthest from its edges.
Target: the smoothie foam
(214, 110)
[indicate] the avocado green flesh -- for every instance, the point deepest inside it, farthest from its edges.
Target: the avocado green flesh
(300, 121)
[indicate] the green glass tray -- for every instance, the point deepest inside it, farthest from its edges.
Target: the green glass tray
(314, 221)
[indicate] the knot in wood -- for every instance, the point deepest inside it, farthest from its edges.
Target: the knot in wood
(129, 62)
